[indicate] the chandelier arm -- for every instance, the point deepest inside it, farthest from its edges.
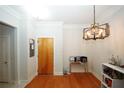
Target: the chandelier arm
(103, 24)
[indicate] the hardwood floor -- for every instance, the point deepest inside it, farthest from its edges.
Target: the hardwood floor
(75, 80)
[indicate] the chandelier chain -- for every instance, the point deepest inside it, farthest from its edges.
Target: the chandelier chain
(94, 14)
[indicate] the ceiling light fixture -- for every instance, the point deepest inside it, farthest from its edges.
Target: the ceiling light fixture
(96, 31)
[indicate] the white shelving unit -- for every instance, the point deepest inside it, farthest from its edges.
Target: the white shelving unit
(113, 83)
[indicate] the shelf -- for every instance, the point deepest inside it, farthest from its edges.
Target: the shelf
(114, 82)
(105, 84)
(117, 68)
(107, 76)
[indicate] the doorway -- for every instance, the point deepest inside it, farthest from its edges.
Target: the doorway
(7, 54)
(45, 56)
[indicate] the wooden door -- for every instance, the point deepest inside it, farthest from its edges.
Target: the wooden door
(45, 56)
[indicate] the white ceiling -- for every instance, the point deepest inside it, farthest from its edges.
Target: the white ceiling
(78, 14)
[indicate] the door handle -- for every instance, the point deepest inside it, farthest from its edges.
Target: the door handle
(6, 62)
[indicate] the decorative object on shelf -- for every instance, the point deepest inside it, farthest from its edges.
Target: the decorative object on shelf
(96, 30)
(122, 66)
(113, 73)
(115, 60)
(108, 82)
(32, 47)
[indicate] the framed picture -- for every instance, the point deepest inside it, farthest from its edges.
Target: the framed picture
(32, 47)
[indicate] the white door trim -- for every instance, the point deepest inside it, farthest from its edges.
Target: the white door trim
(9, 61)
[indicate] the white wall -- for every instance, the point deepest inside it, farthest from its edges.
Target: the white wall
(26, 67)
(7, 15)
(55, 30)
(100, 51)
(32, 63)
(72, 42)
(74, 45)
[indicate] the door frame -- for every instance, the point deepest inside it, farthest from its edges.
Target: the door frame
(36, 51)
(9, 61)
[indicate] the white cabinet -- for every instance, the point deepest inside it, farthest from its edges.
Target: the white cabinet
(112, 76)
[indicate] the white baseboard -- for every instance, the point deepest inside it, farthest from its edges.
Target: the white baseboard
(36, 73)
(58, 73)
(23, 83)
(97, 76)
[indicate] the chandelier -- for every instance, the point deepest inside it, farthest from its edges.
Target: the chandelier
(96, 30)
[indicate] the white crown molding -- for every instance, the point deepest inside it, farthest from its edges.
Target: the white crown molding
(12, 12)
